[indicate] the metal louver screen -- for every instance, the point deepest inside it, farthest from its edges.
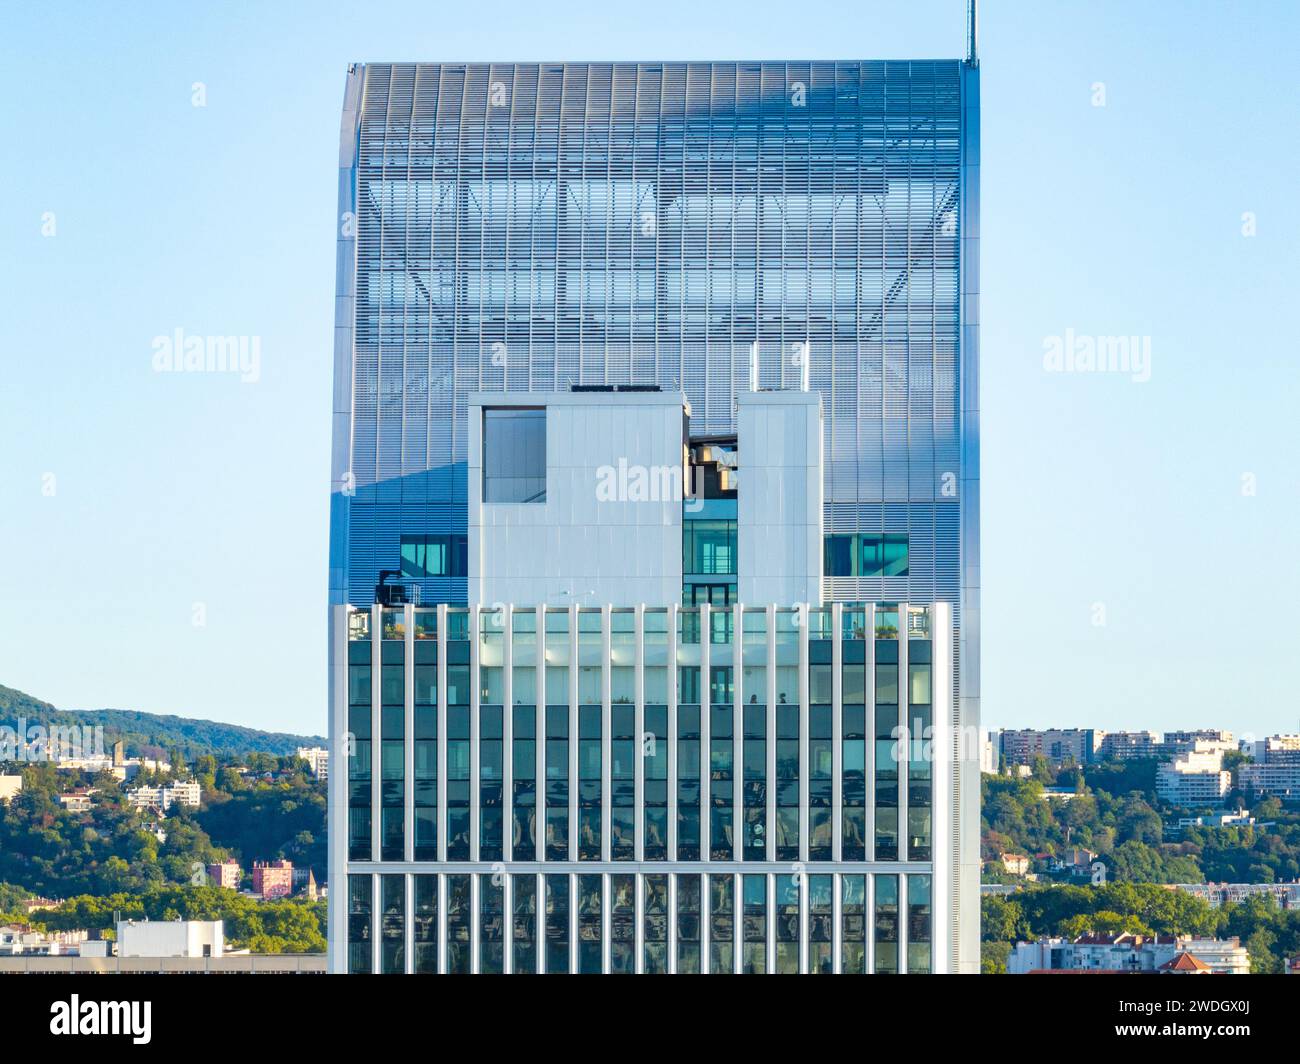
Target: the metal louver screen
(530, 226)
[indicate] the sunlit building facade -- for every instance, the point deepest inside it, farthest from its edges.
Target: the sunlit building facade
(527, 246)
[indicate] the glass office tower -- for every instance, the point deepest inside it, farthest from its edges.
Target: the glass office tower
(532, 227)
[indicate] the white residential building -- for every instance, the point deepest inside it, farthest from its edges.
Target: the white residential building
(1224, 956)
(78, 801)
(1279, 748)
(318, 758)
(990, 747)
(163, 796)
(1276, 772)
(1129, 746)
(1126, 953)
(20, 940)
(1199, 740)
(1194, 778)
(1271, 779)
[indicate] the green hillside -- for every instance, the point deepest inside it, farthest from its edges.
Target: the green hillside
(193, 738)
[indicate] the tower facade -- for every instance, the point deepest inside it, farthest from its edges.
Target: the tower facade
(711, 231)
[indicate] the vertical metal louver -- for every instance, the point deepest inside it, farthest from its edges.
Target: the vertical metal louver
(529, 226)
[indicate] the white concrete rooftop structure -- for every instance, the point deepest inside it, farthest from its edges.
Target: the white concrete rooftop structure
(608, 525)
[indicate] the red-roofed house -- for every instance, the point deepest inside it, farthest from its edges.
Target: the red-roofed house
(1185, 963)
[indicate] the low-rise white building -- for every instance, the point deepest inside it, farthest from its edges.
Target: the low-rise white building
(21, 940)
(170, 938)
(78, 801)
(1216, 820)
(162, 796)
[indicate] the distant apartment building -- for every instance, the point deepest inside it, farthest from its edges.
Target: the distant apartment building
(145, 797)
(1271, 780)
(10, 786)
(273, 879)
(1280, 748)
(1129, 953)
(1200, 735)
(1193, 779)
(1276, 771)
(1129, 746)
(22, 940)
(1203, 741)
(1224, 956)
(990, 752)
(163, 796)
(319, 760)
(1015, 864)
(1276, 749)
(1287, 895)
(226, 874)
(1021, 745)
(123, 769)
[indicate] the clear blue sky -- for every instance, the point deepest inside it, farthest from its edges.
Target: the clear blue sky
(1126, 219)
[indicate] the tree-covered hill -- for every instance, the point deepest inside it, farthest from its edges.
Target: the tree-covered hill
(153, 732)
(257, 809)
(1270, 933)
(1113, 811)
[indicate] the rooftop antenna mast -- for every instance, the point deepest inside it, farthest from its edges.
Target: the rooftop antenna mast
(972, 32)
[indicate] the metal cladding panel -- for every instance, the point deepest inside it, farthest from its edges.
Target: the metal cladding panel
(525, 227)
